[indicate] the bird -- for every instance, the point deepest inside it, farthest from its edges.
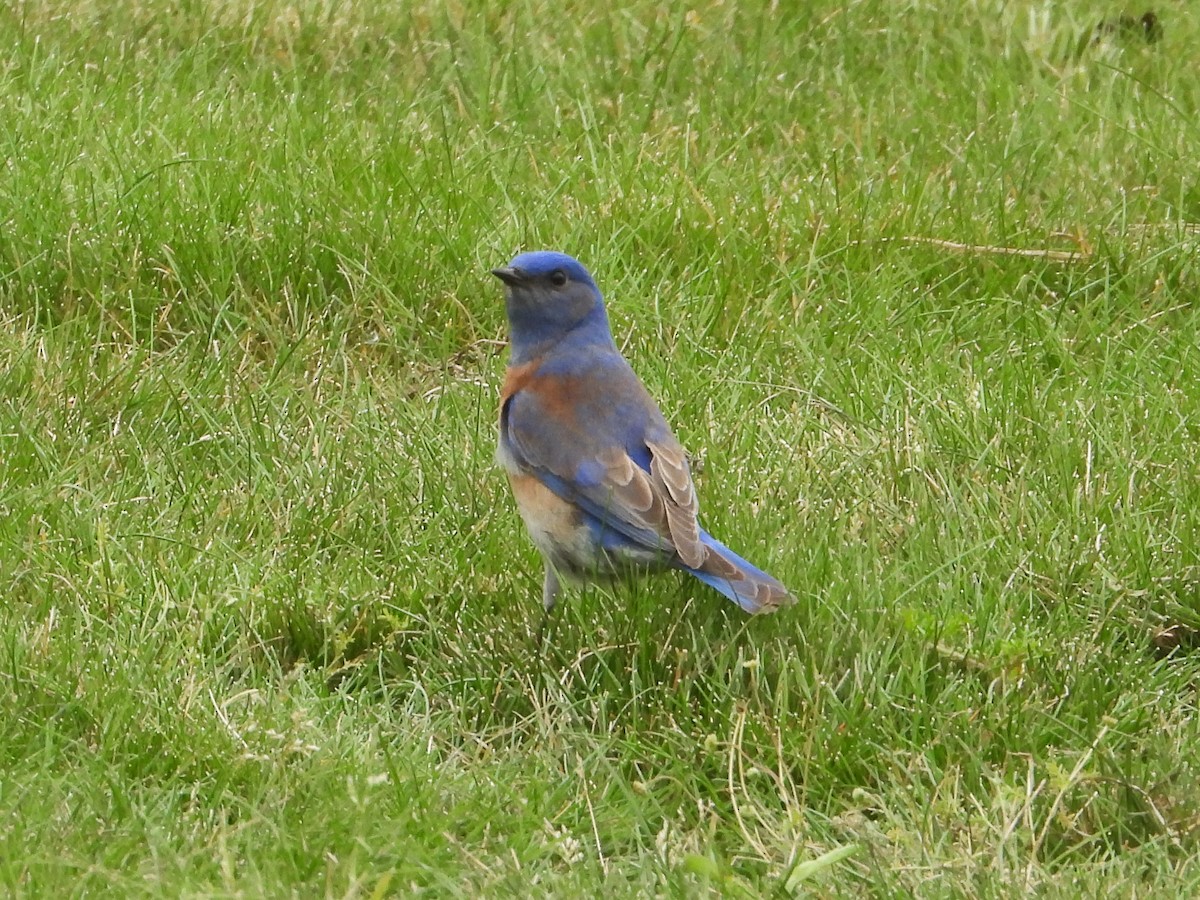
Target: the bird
(599, 478)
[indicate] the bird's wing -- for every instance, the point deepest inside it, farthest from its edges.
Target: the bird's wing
(601, 442)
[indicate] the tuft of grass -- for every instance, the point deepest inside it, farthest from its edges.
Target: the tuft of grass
(269, 612)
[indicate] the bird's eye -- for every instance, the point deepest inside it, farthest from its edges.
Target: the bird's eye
(558, 278)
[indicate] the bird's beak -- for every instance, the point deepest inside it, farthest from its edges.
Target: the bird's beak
(508, 275)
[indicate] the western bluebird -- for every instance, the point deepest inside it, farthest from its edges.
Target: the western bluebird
(600, 480)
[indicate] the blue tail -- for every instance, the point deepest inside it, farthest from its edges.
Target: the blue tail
(742, 582)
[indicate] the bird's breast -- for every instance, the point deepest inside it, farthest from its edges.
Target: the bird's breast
(556, 525)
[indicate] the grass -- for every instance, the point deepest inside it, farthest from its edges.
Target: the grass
(268, 608)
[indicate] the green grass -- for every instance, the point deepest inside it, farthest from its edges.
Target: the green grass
(267, 606)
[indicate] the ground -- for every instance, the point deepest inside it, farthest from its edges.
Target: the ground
(916, 285)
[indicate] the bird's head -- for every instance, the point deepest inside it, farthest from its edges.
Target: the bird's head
(550, 295)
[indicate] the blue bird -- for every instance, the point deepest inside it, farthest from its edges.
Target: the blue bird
(600, 480)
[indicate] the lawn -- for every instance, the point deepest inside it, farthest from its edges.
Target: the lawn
(915, 284)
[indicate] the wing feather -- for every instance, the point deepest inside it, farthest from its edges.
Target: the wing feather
(672, 478)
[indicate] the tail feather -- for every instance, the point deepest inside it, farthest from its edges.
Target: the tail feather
(742, 582)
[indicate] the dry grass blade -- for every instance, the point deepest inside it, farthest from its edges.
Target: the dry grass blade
(1064, 256)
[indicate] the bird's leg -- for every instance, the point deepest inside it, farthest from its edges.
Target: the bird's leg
(550, 588)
